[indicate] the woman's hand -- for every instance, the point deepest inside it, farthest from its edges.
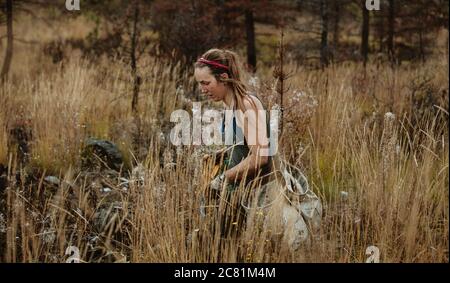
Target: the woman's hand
(218, 183)
(214, 155)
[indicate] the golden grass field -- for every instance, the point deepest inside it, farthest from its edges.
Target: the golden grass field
(383, 179)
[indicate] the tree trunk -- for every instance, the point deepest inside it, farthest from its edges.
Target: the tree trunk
(9, 44)
(251, 50)
(423, 16)
(136, 78)
(421, 46)
(337, 19)
(391, 31)
(324, 33)
(380, 30)
(365, 32)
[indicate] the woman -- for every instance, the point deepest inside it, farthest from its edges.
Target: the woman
(218, 74)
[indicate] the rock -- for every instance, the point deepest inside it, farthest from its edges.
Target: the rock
(52, 180)
(3, 204)
(19, 140)
(48, 236)
(96, 184)
(137, 178)
(138, 174)
(105, 190)
(3, 177)
(92, 241)
(101, 154)
(2, 224)
(104, 215)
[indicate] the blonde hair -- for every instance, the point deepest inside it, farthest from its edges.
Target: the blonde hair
(235, 73)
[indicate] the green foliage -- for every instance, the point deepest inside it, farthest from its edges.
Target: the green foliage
(266, 48)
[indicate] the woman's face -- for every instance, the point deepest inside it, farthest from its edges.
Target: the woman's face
(208, 84)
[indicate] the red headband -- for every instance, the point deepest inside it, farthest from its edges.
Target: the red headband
(212, 63)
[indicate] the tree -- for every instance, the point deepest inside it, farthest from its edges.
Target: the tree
(265, 12)
(364, 31)
(315, 48)
(324, 33)
(8, 10)
(405, 29)
(193, 31)
(417, 24)
(213, 23)
(336, 21)
(133, 64)
(250, 31)
(391, 29)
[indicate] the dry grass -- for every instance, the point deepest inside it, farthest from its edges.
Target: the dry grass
(393, 169)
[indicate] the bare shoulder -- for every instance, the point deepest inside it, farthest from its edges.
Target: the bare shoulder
(250, 101)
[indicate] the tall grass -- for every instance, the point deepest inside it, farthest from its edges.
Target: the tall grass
(372, 146)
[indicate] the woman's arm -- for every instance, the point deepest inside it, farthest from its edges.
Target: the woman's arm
(256, 136)
(247, 167)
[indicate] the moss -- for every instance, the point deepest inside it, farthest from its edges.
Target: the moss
(266, 48)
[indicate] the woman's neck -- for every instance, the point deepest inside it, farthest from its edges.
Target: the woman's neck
(229, 100)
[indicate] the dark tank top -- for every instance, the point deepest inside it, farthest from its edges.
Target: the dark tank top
(241, 150)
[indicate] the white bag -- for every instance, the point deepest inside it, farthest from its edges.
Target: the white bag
(289, 207)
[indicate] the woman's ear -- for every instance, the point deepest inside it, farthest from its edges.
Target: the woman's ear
(224, 76)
